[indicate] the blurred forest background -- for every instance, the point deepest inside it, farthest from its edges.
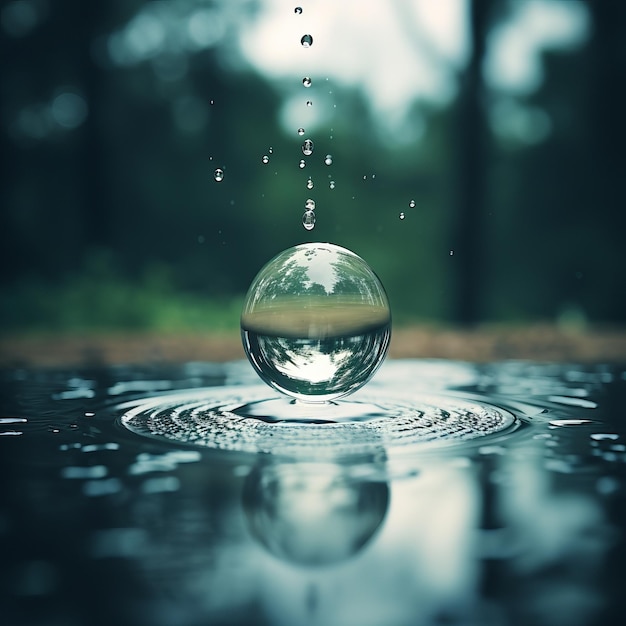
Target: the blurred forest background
(116, 113)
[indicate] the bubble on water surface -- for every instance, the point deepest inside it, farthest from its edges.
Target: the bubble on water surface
(307, 147)
(316, 322)
(328, 160)
(307, 82)
(308, 219)
(306, 41)
(218, 175)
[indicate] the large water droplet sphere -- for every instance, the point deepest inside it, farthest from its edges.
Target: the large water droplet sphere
(315, 322)
(306, 41)
(307, 147)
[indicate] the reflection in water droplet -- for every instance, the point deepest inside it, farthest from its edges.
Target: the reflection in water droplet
(302, 164)
(309, 183)
(300, 131)
(265, 159)
(328, 160)
(402, 216)
(306, 41)
(412, 204)
(308, 220)
(331, 184)
(309, 205)
(306, 81)
(218, 175)
(307, 147)
(298, 10)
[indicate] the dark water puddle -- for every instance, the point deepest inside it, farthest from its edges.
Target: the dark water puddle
(495, 495)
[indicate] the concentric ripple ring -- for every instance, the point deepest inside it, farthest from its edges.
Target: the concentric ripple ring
(208, 418)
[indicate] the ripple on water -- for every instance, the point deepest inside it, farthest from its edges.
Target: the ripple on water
(212, 418)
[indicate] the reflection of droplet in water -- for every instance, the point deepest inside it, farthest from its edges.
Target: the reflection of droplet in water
(309, 103)
(308, 220)
(309, 205)
(307, 82)
(300, 131)
(316, 321)
(298, 10)
(309, 183)
(412, 204)
(306, 41)
(218, 175)
(290, 508)
(302, 164)
(307, 147)
(331, 184)
(265, 159)
(402, 216)
(328, 160)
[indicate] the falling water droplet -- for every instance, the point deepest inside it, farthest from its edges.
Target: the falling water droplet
(306, 41)
(218, 175)
(309, 183)
(331, 184)
(328, 160)
(302, 164)
(265, 159)
(309, 205)
(308, 220)
(309, 103)
(307, 82)
(307, 147)
(298, 10)
(402, 216)
(270, 149)
(412, 204)
(300, 131)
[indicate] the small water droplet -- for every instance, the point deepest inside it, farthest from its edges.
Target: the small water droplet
(298, 10)
(265, 159)
(300, 131)
(211, 101)
(306, 41)
(309, 183)
(331, 184)
(308, 220)
(302, 164)
(309, 205)
(328, 160)
(309, 103)
(270, 149)
(306, 81)
(307, 147)
(451, 252)
(218, 175)
(412, 204)
(402, 216)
